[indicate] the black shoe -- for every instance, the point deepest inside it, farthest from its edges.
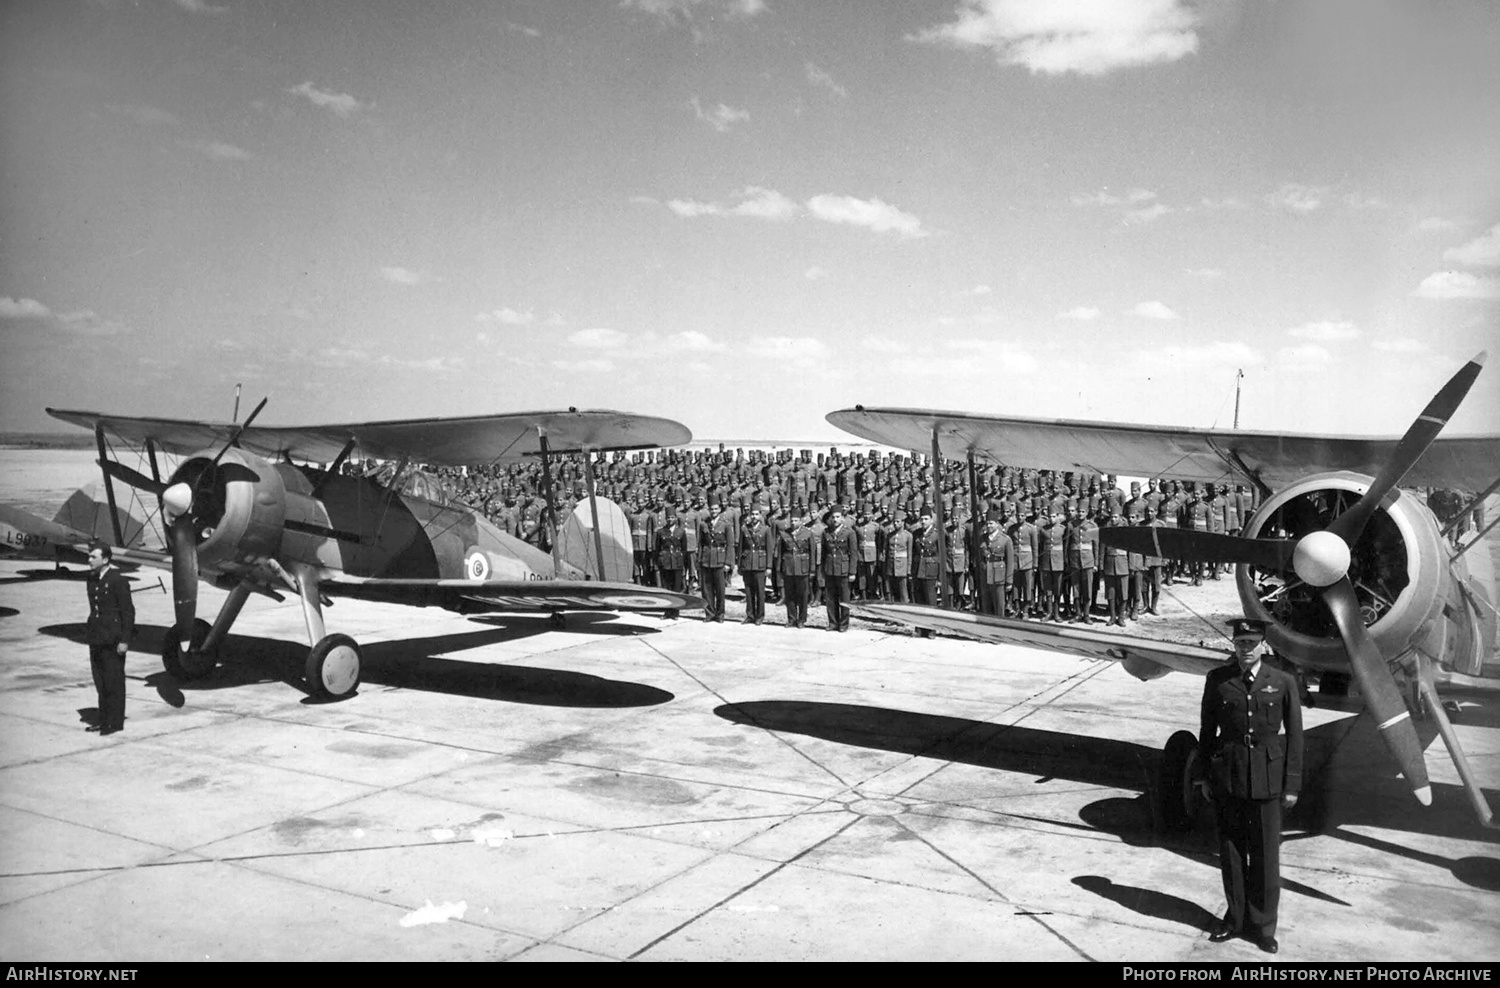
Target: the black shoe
(93, 727)
(1268, 944)
(1220, 932)
(109, 730)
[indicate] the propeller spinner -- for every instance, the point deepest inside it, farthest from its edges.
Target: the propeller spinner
(1321, 559)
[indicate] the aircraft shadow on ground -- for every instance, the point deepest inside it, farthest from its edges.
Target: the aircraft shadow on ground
(1126, 765)
(38, 575)
(413, 663)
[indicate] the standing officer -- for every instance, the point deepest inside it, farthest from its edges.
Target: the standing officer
(1116, 576)
(799, 550)
(871, 535)
(1082, 540)
(671, 551)
(757, 548)
(1023, 535)
(997, 559)
(691, 519)
(715, 544)
(898, 556)
(642, 536)
(927, 565)
(110, 625)
(840, 557)
(1253, 770)
(1052, 556)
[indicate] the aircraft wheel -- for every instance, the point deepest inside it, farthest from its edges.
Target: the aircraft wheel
(670, 613)
(1181, 801)
(1451, 708)
(557, 621)
(1333, 684)
(194, 663)
(333, 667)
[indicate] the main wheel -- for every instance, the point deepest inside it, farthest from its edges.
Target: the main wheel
(1333, 684)
(1180, 798)
(556, 620)
(194, 663)
(333, 667)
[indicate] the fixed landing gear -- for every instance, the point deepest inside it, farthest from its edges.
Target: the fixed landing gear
(333, 667)
(1181, 800)
(557, 621)
(1333, 684)
(196, 662)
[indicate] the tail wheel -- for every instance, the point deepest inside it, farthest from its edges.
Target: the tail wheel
(333, 667)
(194, 663)
(1180, 799)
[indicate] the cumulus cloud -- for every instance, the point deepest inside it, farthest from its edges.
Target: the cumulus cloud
(1153, 310)
(1326, 331)
(798, 349)
(87, 322)
(872, 214)
(692, 341)
(720, 117)
(1146, 214)
(754, 202)
(822, 79)
(22, 308)
(1082, 313)
(1104, 197)
(600, 338)
(690, 11)
(1482, 251)
(1302, 357)
(1296, 198)
(217, 150)
(1457, 284)
(403, 276)
(1089, 37)
(506, 317)
(1178, 358)
(341, 104)
(199, 7)
(1228, 202)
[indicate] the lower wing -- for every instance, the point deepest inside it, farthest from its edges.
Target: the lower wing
(476, 596)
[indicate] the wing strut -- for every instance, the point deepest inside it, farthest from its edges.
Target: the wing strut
(109, 487)
(1450, 738)
(541, 432)
(588, 478)
(937, 513)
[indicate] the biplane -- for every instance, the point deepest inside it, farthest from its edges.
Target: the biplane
(1355, 577)
(277, 511)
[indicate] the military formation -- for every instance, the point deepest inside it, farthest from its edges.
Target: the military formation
(806, 530)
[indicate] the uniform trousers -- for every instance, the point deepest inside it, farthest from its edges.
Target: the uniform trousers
(755, 594)
(711, 581)
(992, 599)
(671, 579)
(1250, 860)
(795, 593)
(926, 592)
(838, 602)
(108, 667)
(897, 587)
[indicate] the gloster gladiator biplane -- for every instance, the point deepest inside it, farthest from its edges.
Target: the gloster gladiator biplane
(1355, 577)
(250, 509)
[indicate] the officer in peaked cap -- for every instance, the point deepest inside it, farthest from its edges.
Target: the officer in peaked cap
(1251, 746)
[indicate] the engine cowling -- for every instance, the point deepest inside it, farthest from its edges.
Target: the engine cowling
(1399, 568)
(238, 508)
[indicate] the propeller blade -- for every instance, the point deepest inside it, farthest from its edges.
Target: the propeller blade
(239, 430)
(183, 538)
(1423, 431)
(1382, 696)
(1201, 547)
(134, 478)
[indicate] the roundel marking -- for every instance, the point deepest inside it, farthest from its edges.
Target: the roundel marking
(628, 600)
(476, 565)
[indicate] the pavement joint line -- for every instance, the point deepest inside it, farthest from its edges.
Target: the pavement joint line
(726, 702)
(1039, 920)
(743, 889)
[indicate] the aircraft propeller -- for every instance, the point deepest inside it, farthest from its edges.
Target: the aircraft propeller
(178, 501)
(1321, 560)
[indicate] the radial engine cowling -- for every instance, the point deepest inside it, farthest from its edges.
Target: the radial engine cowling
(1398, 566)
(238, 507)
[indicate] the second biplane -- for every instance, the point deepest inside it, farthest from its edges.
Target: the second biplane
(273, 511)
(1355, 577)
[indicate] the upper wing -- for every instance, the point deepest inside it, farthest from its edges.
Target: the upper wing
(1275, 459)
(437, 441)
(1143, 657)
(476, 596)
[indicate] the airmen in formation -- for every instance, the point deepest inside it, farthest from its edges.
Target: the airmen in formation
(802, 530)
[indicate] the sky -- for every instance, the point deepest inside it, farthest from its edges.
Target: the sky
(744, 214)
